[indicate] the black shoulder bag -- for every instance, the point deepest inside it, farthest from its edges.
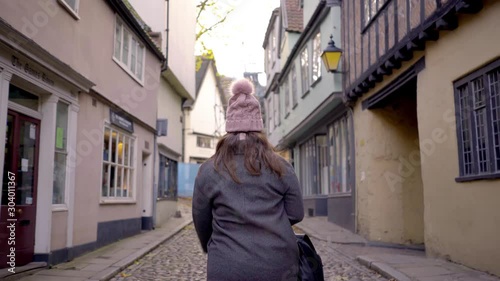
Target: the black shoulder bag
(310, 264)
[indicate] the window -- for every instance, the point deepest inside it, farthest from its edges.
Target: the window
(277, 104)
(205, 142)
(294, 86)
(286, 92)
(167, 181)
(308, 169)
(371, 9)
(340, 155)
(71, 6)
(270, 114)
(304, 68)
(316, 58)
(477, 99)
(128, 51)
(61, 153)
(118, 164)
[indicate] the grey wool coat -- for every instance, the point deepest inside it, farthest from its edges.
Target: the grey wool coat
(246, 228)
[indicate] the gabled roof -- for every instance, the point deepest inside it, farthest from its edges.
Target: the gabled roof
(293, 16)
(206, 64)
(270, 26)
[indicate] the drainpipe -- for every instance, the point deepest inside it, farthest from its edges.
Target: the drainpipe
(165, 64)
(155, 184)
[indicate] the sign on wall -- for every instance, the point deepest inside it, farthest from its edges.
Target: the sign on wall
(121, 120)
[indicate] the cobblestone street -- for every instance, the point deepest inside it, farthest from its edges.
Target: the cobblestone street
(180, 258)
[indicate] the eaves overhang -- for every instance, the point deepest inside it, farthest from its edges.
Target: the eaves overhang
(444, 19)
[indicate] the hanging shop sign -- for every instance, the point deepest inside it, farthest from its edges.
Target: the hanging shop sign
(120, 120)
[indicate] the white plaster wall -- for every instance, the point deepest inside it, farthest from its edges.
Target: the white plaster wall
(169, 107)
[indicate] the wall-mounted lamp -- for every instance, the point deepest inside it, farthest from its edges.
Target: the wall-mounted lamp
(331, 57)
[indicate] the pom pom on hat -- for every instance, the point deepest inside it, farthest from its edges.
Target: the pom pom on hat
(242, 87)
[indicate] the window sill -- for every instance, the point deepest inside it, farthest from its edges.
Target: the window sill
(166, 199)
(125, 68)
(316, 82)
(492, 176)
(69, 9)
(117, 201)
(340, 194)
(306, 93)
(59, 208)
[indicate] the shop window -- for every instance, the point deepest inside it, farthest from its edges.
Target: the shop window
(477, 99)
(128, 52)
(308, 170)
(23, 98)
(167, 181)
(205, 142)
(61, 153)
(118, 164)
(340, 155)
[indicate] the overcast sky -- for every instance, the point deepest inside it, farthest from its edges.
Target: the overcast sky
(237, 44)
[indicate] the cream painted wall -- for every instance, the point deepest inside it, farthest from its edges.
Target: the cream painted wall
(206, 117)
(388, 195)
(181, 59)
(88, 210)
(88, 48)
(170, 107)
(59, 230)
(462, 219)
(165, 209)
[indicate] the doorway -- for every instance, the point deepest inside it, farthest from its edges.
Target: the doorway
(18, 206)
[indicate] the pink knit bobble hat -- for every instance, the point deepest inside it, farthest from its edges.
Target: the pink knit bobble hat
(243, 113)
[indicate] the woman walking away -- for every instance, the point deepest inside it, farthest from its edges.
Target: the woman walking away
(246, 199)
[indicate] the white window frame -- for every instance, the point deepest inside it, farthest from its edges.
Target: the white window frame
(316, 58)
(132, 168)
(127, 66)
(270, 113)
(72, 11)
(277, 109)
(304, 70)
(64, 205)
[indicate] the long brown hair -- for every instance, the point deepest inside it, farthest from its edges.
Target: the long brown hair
(256, 149)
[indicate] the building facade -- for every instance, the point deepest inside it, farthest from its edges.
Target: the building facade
(205, 116)
(77, 140)
(422, 80)
(310, 121)
(173, 23)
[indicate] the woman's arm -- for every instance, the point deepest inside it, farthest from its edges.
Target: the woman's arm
(202, 211)
(294, 206)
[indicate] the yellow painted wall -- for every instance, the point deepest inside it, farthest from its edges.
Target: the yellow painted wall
(388, 179)
(462, 220)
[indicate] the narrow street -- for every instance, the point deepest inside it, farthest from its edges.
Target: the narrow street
(180, 258)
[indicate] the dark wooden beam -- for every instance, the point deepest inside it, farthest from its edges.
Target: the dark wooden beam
(469, 6)
(429, 35)
(392, 63)
(403, 55)
(375, 78)
(415, 44)
(383, 71)
(447, 22)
